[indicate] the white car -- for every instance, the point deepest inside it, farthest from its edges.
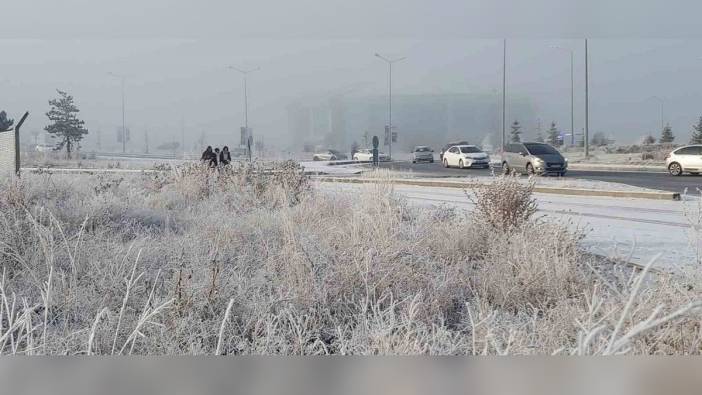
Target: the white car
(686, 159)
(329, 155)
(463, 156)
(366, 155)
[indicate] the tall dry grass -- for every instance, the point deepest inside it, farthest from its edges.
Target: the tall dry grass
(255, 261)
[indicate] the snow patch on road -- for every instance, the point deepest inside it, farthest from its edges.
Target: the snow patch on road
(327, 168)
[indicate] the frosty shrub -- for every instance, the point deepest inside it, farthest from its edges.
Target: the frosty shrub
(252, 260)
(505, 204)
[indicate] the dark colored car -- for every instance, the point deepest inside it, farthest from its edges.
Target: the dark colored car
(449, 145)
(533, 158)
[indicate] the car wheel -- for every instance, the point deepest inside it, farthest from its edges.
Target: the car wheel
(675, 169)
(505, 168)
(530, 169)
(446, 163)
(431, 161)
(562, 174)
(460, 164)
(315, 158)
(695, 173)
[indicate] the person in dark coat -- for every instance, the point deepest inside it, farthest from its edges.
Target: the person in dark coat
(214, 159)
(225, 157)
(207, 155)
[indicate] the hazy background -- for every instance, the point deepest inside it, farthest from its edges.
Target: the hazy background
(175, 53)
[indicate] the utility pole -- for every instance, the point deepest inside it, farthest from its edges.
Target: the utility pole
(245, 73)
(182, 134)
(572, 95)
(390, 63)
(586, 141)
(572, 102)
(660, 102)
(124, 119)
(504, 91)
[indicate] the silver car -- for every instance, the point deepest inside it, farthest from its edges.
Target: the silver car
(533, 158)
(422, 153)
(686, 159)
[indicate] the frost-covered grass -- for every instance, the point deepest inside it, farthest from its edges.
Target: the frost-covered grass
(255, 262)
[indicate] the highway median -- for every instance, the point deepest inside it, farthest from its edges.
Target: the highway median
(655, 195)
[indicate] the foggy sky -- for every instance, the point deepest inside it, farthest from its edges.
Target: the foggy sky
(174, 55)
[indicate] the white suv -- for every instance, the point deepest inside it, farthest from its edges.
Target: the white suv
(686, 159)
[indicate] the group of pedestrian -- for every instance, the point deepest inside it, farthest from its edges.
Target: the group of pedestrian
(216, 158)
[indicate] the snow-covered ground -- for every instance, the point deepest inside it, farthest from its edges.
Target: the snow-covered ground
(633, 229)
(323, 167)
(601, 157)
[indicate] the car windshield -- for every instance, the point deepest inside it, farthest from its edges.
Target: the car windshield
(421, 149)
(333, 151)
(541, 149)
(469, 150)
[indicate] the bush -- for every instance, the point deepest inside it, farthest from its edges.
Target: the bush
(251, 260)
(505, 204)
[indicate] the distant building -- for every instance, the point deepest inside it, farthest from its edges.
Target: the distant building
(418, 119)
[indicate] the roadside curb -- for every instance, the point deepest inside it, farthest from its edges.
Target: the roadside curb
(537, 189)
(630, 168)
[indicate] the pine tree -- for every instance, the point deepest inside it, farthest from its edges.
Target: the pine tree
(539, 135)
(516, 132)
(5, 122)
(553, 135)
(539, 138)
(65, 126)
(649, 140)
(354, 148)
(697, 133)
(666, 135)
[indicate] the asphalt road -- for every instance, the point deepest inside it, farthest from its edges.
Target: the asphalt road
(661, 181)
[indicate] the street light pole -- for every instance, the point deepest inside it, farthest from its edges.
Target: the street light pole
(124, 122)
(504, 92)
(572, 94)
(587, 106)
(245, 73)
(389, 62)
(660, 102)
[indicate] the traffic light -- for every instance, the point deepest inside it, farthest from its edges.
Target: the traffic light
(394, 137)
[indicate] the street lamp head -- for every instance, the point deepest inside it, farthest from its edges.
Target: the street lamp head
(244, 71)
